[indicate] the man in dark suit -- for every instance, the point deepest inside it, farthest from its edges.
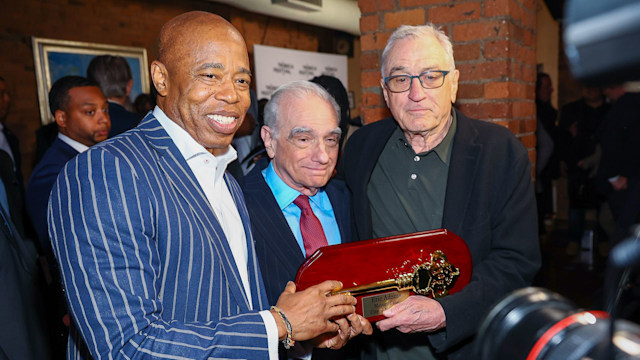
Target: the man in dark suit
(11, 145)
(152, 234)
(23, 333)
(81, 113)
(427, 167)
(113, 75)
(303, 148)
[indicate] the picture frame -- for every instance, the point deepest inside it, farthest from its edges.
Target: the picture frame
(54, 59)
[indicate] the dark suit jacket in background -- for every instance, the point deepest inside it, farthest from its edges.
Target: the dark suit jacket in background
(14, 190)
(277, 250)
(121, 119)
(42, 179)
(23, 332)
(489, 203)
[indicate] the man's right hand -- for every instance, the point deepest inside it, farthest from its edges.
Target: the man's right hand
(310, 311)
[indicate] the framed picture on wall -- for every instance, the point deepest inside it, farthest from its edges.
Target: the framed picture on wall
(54, 59)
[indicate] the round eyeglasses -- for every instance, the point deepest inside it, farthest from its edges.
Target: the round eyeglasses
(431, 79)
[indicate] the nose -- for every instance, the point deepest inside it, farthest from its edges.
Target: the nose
(416, 91)
(103, 117)
(227, 92)
(321, 153)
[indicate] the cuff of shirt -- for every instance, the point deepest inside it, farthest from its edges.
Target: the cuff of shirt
(272, 333)
(613, 179)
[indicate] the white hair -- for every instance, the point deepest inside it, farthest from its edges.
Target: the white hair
(419, 32)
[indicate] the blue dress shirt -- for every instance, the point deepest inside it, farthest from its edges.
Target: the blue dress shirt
(320, 205)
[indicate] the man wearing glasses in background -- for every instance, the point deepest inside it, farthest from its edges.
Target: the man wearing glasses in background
(429, 167)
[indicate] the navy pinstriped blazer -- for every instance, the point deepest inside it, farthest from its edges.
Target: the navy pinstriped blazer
(147, 268)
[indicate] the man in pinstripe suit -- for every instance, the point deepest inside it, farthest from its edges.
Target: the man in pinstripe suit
(153, 238)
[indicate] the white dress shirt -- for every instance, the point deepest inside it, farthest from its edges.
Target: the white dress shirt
(209, 172)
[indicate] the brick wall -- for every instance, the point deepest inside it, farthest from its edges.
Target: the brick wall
(117, 22)
(494, 48)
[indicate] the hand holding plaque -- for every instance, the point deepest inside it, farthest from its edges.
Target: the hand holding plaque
(384, 272)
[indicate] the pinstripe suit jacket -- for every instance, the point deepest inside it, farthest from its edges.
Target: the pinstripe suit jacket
(147, 268)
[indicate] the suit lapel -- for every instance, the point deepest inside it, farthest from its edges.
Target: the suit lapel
(179, 175)
(462, 173)
(273, 229)
(340, 212)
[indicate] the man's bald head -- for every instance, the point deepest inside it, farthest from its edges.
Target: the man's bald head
(178, 34)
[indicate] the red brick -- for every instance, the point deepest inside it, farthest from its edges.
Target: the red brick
(532, 158)
(496, 90)
(463, 52)
(370, 61)
(455, 12)
(369, 23)
(406, 17)
(529, 73)
(385, 4)
(527, 125)
(487, 29)
(370, 100)
(486, 110)
(370, 79)
(470, 91)
(497, 7)
(485, 70)
(412, 3)
(529, 5)
(367, 6)
(375, 41)
(523, 109)
(529, 141)
(375, 114)
(497, 49)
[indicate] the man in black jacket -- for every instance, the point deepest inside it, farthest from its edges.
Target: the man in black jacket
(431, 167)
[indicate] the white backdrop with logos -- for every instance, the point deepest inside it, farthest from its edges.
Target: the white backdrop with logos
(275, 66)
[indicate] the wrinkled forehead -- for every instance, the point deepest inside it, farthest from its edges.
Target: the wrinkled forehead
(414, 51)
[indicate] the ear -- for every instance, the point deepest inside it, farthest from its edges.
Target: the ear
(384, 92)
(160, 77)
(129, 86)
(269, 141)
(455, 74)
(61, 119)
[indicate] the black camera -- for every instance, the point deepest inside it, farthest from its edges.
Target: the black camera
(534, 323)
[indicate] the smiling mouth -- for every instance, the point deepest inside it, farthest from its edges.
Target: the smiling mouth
(224, 120)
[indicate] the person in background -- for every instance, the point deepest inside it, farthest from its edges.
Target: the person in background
(113, 75)
(580, 120)
(294, 206)
(153, 237)
(547, 149)
(429, 167)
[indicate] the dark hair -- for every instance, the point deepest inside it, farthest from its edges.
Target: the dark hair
(1, 78)
(112, 73)
(334, 87)
(539, 78)
(59, 93)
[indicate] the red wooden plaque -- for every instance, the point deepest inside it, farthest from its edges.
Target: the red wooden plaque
(363, 263)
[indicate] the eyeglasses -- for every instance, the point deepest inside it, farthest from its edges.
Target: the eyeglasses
(429, 80)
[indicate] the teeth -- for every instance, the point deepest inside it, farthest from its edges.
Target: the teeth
(225, 120)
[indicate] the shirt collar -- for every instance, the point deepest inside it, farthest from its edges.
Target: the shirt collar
(284, 194)
(443, 150)
(77, 146)
(186, 144)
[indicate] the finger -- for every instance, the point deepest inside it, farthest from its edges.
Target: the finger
(290, 288)
(359, 325)
(341, 310)
(341, 299)
(385, 324)
(329, 285)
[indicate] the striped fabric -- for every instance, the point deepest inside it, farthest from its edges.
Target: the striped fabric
(147, 270)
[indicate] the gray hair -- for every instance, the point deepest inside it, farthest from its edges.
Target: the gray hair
(298, 89)
(112, 73)
(419, 31)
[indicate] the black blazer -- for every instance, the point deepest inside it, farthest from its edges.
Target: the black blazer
(278, 252)
(489, 203)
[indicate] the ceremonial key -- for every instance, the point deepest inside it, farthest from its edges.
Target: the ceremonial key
(433, 278)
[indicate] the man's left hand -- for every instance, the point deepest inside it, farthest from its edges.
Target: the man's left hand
(415, 314)
(350, 327)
